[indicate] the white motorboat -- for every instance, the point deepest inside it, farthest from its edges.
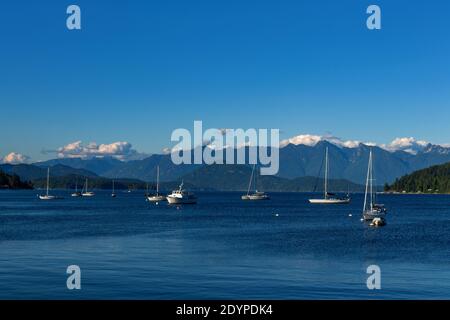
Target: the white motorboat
(156, 197)
(47, 196)
(371, 209)
(329, 198)
(181, 196)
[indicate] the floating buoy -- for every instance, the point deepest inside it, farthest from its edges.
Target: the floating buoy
(350, 215)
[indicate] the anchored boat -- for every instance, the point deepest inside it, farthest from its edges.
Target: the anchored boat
(47, 196)
(181, 196)
(329, 198)
(156, 197)
(371, 209)
(85, 192)
(257, 195)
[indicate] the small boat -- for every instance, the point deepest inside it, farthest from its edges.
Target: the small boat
(329, 198)
(181, 196)
(113, 194)
(156, 197)
(257, 195)
(76, 193)
(47, 196)
(87, 193)
(378, 222)
(371, 209)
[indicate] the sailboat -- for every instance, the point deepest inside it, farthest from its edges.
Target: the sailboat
(113, 194)
(257, 195)
(156, 197)
(87, 193)
(47, 196)
(76, 193)
(329, 198)
(371, 209)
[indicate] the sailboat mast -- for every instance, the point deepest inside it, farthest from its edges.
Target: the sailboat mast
(48, 178)
(250, 181)
(157, 180)
(371, 180)
(367, 180)
(326, 173)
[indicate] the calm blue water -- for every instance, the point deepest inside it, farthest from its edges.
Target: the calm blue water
(221, 248)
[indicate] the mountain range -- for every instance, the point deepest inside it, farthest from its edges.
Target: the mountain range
(30, 172)
(296, 161)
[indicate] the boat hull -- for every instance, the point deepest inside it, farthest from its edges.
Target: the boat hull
(177, 200)
(48, 197)
(88, 194)
(256, 198)
(370, 215)
(329, 201)
(156, 198)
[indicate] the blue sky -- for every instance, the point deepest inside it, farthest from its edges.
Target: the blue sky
(139, 69)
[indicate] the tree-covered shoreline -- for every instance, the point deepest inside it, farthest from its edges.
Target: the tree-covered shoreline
(435, 179)
(13, 182)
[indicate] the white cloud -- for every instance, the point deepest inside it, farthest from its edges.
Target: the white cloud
(312, 140)
(15, 158)
(305, 139)
(407, 144)
(120, 150)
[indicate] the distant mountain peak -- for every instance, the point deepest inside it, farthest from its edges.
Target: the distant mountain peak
(409, 145)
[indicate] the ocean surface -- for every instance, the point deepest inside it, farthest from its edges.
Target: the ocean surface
(221, 248)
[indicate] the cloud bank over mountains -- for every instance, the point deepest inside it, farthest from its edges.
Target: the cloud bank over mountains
(124, 151)
(120, 150)
(406, 144)
(15, 158)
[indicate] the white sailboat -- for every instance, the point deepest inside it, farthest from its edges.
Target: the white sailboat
(329, 198)
(371, 209)
(76, 193)
(47, 196)
(156, 197)
(181, 196)
(87, 193)
(257, 195)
